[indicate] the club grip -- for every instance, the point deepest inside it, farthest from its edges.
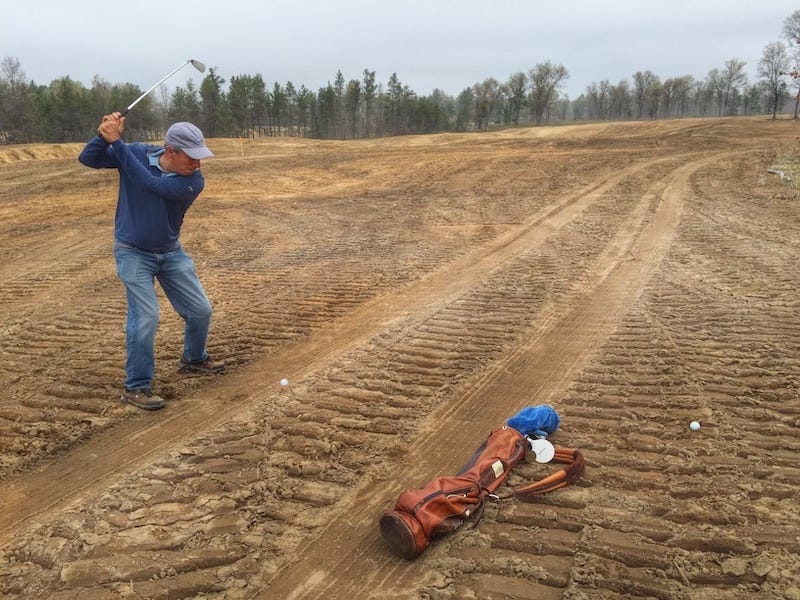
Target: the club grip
(123, 112)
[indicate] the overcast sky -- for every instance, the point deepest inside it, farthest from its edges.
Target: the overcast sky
(430, 44)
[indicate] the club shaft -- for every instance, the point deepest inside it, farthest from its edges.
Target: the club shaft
(159, 82)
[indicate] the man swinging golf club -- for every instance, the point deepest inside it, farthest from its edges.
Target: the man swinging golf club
(156, 187)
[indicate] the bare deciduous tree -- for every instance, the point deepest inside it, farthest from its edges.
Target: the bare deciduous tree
(545, 80)
(599, 100)
(791, 26)
(644, 84)
(486, 96)
(515, 96)
(791, 31)
(16, 114)
(619, 101)
(773, 67)
(732, 78)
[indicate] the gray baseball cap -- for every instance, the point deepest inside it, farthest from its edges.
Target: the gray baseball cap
(189, 138)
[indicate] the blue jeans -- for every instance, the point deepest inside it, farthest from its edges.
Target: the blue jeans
(175, 271)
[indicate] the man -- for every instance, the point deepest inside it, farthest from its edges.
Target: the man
(156, 187)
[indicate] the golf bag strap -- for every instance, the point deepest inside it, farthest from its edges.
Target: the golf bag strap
(561, 478)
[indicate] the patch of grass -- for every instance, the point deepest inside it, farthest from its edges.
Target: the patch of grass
(786, 165)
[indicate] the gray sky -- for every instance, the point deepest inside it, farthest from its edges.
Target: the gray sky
(430, 44)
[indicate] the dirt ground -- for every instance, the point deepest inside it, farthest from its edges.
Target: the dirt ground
(415, 292)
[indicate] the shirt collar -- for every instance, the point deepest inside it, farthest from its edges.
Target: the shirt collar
(154, 162)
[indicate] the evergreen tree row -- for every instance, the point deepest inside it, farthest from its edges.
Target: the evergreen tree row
(68, 111)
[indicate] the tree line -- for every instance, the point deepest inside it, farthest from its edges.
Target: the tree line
(68, 111)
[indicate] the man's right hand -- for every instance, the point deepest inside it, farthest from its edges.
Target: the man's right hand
(112, 127)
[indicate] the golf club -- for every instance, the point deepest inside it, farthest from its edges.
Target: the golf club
(195, 63)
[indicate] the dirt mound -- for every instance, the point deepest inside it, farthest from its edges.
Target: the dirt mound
(38, 152)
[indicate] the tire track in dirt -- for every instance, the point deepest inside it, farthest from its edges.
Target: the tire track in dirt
(95, 453)
(296, 360)
(697, 348)
(315, 283)
(311, 283)
(216, 514)
(529, 374)
(684, 542)
(323, 293)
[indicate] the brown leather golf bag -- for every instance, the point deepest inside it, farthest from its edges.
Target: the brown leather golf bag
(423, 514)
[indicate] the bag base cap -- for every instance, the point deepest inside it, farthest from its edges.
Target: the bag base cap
(398, 533)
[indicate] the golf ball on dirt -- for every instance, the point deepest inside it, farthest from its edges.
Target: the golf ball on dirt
(694, 425)
(284, 382)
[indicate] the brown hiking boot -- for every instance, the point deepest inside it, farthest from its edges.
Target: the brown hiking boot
(144, 399)
(208, 366)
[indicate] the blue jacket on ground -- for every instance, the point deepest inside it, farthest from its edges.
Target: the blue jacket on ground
(151, 202)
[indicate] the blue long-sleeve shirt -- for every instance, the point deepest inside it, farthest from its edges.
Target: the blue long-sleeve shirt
(151, 203)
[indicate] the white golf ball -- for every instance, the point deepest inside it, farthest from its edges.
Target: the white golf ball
(284, 382)
(694, 425)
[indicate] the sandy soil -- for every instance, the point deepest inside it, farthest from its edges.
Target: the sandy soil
(415, 292)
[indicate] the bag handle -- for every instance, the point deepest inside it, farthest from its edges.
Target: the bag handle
(561, 478)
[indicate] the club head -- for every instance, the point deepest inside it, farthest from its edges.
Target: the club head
(198, 65)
